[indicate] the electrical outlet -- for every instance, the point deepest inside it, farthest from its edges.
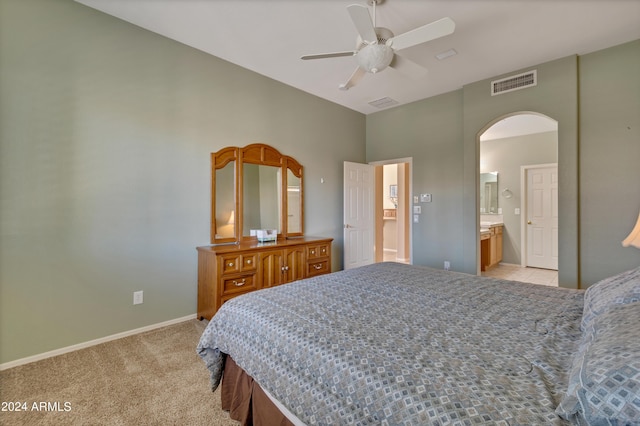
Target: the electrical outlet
(447, 265)
(137, 297)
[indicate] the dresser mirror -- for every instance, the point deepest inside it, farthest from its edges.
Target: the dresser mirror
(255, 187)
(261, 197)
(294, 203)
(225, 201)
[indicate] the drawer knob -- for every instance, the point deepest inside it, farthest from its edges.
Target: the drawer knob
(230, 264)
(317, 267)
(239, 284)
(313, 252)
(249, 261)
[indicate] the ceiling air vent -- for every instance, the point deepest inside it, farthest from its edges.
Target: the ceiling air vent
(515, 82)
(383, 102)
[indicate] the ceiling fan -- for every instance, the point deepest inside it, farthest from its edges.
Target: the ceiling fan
(376, 47)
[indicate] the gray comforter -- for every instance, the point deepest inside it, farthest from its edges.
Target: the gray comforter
(403, 345)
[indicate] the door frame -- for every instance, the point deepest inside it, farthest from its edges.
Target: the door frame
(408, 206)
(523, 207)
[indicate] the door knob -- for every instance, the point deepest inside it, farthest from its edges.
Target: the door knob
(528, 222)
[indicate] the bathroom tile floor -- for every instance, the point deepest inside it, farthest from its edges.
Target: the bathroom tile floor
(518, 273)
(509, 272)
(390, 256)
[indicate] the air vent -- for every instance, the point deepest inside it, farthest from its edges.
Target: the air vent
(515, 82)
(383, 102)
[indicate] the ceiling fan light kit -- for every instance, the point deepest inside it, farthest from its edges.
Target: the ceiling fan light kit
(376, 47)
(374, 57)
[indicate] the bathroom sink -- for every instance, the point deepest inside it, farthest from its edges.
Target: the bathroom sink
(489, 224)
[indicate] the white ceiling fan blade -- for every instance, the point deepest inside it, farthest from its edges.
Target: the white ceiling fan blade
(408, 68)
(353, 80)
(362, 21)
(423, 34)
(328, 55)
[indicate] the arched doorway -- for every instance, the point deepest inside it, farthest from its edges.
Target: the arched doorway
(513, 148)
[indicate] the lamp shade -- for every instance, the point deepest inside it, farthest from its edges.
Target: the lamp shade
(634, 237)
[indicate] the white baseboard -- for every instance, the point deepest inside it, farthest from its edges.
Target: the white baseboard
(56, 352)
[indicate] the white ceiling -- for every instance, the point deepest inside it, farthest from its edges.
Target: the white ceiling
(518, 125)
(492, 37)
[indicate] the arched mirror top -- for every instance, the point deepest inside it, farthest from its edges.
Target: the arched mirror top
(266, 193)
(221, 158)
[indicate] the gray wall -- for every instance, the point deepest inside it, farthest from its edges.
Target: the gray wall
(609, 159)
(555, 96)
(441, 134)
(505, 156)
(429, 131)
(105, 135)
(596, 100)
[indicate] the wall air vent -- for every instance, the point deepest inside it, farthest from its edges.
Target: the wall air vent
(515, 82)
(383, 102)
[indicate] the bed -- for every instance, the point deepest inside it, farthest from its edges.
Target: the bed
(396, 344)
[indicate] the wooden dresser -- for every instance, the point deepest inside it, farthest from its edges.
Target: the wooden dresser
(227, 271)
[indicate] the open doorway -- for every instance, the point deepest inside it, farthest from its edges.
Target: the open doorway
(373, 203)
(393, 206)
(511, 144)
(393, 227)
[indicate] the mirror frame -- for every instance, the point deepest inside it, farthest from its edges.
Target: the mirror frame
(260, 154)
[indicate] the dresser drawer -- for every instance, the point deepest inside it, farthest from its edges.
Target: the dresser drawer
(317, 268)
(235, 263)
(249, 262)
(238, 284)
(317, 251)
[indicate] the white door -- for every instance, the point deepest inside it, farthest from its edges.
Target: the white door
(359, 218)
(542, 217)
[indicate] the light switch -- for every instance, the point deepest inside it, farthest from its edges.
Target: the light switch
(416, 218)
(425, 198)
(516, 211)
(417, 209)
(415, 198)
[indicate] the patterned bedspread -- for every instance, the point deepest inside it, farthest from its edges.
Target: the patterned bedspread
(398, 344)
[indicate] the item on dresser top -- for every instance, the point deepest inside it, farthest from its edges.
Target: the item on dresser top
(266, 235)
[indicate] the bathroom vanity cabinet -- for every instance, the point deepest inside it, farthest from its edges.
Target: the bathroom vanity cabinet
(491, 246)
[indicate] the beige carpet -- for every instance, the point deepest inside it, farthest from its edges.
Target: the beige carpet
(153, 378)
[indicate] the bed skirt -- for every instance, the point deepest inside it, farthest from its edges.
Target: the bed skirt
(245, 400)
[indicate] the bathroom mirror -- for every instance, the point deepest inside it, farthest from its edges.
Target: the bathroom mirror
(255, 187)
(489, 193)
